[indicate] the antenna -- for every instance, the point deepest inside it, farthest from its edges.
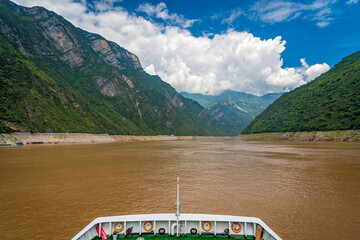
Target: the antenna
(177, 203)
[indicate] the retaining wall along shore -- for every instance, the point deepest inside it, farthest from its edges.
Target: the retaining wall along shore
(57, 138)
(328, 136)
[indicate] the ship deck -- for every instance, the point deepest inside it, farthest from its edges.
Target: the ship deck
(181, 237)
(168, 226)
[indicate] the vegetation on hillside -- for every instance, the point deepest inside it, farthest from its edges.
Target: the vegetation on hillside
(233, 110)
(33, 101)
(58, 78)
(325, 136)
(330, 102)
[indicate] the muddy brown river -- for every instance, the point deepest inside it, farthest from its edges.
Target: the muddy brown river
(300, 190)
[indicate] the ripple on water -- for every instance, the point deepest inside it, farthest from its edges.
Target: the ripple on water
(54, 191)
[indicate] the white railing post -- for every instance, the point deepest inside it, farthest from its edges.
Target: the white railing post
(215, 227)
(245, 229)
(200, 227)
(99, 229)
(154, 227)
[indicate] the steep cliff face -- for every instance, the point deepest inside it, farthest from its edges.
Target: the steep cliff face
(108, 90)
(112, 53)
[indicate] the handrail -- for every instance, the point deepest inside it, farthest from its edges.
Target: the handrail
(172, 217)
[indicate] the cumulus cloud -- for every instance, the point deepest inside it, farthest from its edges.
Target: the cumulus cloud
(275, 11)
(232, 60)
(296, 76)
(315, 70)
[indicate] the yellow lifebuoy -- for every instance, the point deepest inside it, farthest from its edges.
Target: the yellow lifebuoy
(236, 227)
(118, 227)
(148, 226)
(206, 226)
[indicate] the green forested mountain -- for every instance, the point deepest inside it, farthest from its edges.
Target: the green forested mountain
(233, 110)
(55, 77)
(330, 102)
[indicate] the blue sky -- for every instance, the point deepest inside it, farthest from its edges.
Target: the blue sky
(210, 46)
(330, 43)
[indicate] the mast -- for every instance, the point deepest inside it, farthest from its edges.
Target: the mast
(177, 203)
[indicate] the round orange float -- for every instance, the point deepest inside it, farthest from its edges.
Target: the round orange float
(148, 226)
(236, 227)
(206, 226)
(118, 227)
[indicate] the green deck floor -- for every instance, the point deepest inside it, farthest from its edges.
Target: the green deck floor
(182, 237)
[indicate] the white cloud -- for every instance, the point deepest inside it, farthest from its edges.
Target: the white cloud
(160, 11)
(323, 18)
(304, 63)
(315, 70)
(275, 11)
(352, 2)
(232, 60)
(296, 76)
(150, 69)
(322, 24)
(233, 16)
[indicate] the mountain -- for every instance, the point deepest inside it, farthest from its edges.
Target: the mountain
(55, 77)
(233, 110)
(330, 102)
(206, 100)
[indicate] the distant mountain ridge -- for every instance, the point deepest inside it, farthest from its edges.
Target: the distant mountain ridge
(55, 77)
(233, 110)
(330, 102)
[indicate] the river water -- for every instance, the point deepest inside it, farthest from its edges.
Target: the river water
(300, 190)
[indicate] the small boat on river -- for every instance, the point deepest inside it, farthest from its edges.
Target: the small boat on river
(171, 226)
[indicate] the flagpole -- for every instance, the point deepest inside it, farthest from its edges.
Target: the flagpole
(177, 204)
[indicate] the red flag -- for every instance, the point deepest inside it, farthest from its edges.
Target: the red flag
(103, 234)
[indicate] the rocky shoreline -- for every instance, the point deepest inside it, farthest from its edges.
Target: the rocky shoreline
(22, 138)
(328, 136)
